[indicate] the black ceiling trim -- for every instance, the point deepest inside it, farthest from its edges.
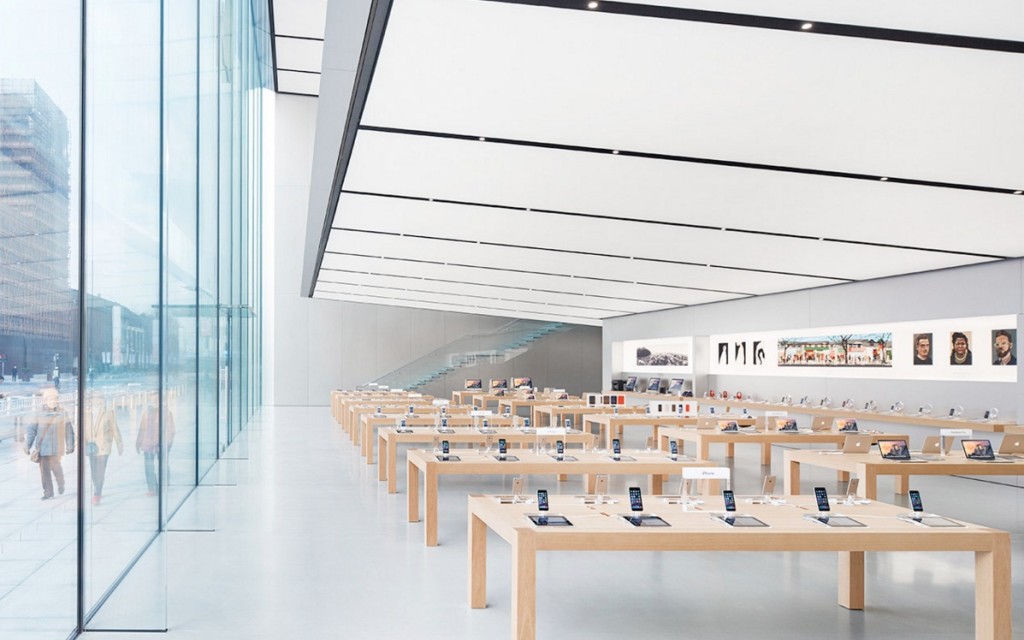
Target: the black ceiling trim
(295, 93)
(299, 71)
(273, 41)
(613, 256)
(691, 159)
(464, 306)
(532, 272)
(470, 295)
(281, 35)
(373, 38)
(493, 286)
(781, 24)
(666, 223)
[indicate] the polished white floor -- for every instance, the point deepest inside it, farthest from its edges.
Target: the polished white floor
(308, 544)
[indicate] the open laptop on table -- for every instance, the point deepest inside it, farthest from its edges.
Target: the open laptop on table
(1012, 446)
(897, 450)
(982, 450)
(932, 448)
(858, 443)
(822, 423)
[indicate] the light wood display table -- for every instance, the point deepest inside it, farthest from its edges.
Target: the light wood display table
(515, 403)
(704, 438)
(868, 466)
(909, 419)
(389, 439)
(465, 396)
(484, 400)
(599, 528)
(341, 399)
(610, 425)
(371, 423)
(552, 415)
(656, 466)
(355, 414)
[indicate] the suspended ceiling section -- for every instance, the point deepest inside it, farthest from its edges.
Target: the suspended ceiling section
(298, 35)
(545, 159)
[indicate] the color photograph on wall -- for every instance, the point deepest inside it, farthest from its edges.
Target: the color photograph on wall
(922, 349)
(838, 350)
(661, 355)
(1004, 351)
(960, 348)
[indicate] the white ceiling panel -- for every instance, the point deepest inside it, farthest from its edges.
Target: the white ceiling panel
(1003, 19)
(679, 192)
(503, 304)
(294, 82)
(713, 279)
(299, 55)
(696, 89)
(300, 17)
(621, 288)
(418, 284)
(388, 301)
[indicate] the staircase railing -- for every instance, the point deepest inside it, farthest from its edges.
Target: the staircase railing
(499, 345)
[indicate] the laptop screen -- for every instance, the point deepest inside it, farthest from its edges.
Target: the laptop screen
(978, 449)
(894, 449)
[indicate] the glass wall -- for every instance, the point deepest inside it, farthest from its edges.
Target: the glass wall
(130, 184)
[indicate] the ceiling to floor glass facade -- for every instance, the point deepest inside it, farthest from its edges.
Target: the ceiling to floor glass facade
(130, 196)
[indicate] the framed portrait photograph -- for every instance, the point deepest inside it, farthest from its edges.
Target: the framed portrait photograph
(960, 353)
(1004, 347)
(923, 346)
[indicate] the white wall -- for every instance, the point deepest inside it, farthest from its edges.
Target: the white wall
(313, 346)
(990, 289)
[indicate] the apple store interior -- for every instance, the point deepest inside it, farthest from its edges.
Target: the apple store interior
(461, 319)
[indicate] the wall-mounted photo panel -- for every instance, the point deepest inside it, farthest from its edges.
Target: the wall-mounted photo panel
(977, 349)
(663, 355)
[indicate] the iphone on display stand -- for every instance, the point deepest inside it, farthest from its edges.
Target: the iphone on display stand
(517, 488)
(851, 491)
(445, 449)
(673, 449)
(502, 448)
(616, 449)
(601, 486)
(559, 450)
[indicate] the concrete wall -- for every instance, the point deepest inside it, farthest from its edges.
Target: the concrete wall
(313, 346)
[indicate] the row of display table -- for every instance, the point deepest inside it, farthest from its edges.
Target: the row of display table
(690, 527)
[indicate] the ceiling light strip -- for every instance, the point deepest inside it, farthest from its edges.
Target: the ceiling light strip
(381, 274)
(533, 272)
(690, 159)
(470, 295)
(458, 306)
(591, 254)
(780, 24)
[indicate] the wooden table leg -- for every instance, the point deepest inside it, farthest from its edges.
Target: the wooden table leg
(851, 579)
(730, 450)
(563, 477)
(902, 484)
(791, 478)
(382, 469)
(766, 454)
(392, 457)
(705, 450)
(524, 585)
(430, 505)
(657, 481)
(477, 563)
(589, 481)
(868, 483)
(413, 488)
(842, 476)
(993, 601)
(368, 440)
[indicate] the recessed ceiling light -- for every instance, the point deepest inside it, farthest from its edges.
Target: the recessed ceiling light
(807, 25)
(592, 5)
(483, 139)
(883, 179)
(1017, 193)
(615, 151)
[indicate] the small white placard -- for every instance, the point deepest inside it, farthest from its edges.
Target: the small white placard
(481, 412)
(776, 414)
(440, 403)
(706, 473)
(950, 433)
(551, 431)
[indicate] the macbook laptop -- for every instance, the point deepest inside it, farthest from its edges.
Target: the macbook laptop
(1012, 446)
(846, 425)
(981, 450)
(822, 423)
(931, 449)
(785, 425)
(707, 422)
(897, 450)
(860, 443)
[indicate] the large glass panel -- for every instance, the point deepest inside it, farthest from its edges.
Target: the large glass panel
(122, 248)
(180, 340)
(40, 143)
